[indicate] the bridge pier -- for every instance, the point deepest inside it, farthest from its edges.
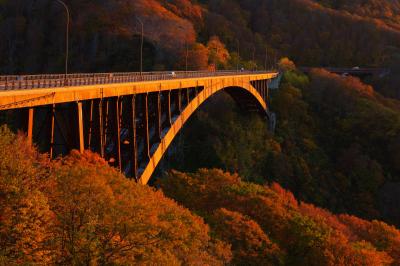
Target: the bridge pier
(90, 134)
(80, 126)
(159, 117)
(53, 116)
(169, 109)
(30, 125)
(133, 138)
(118, 112)
(106, 127)
(179, 92)
(146, 125)
(101, 128)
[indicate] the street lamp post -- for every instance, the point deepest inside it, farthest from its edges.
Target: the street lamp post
(238, 54)
(186, 56)
(216, 59)
(141, 45)
(254, 57)
(266, 58)
(66, 36)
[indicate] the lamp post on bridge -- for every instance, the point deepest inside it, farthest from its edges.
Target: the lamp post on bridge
(141, 44)
(66, 36)
(216, 59)
(254, 57)
(238, 54)
(186, 56)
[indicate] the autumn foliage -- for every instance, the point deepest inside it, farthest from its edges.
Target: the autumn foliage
(294, 233)
(78, 210)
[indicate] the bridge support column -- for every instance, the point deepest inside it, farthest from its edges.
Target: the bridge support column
(146, 125)
(101, 128)
(30, 125)
(179, 101)
(118, 112)
(264, 86)
(80, 128)
(187, 96)
(53, 117)
(133, 139)
(169, 109)
(90, 125)
(107, 126)
(159, 118)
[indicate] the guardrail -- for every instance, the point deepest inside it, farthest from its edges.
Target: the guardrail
(26, 82)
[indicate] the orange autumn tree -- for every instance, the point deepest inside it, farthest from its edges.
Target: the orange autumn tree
(105, 218)
(250, 245)
(25, 215)
(78, 210)
(307, 235)
(198, 57)
(218, 54)
(285, 64)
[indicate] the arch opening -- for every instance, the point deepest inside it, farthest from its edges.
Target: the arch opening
(247, 97)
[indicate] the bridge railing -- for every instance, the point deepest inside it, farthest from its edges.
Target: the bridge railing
(21, 82)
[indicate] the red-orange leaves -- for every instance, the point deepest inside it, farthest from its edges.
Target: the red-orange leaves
(250, 245)
(252, 217)
(78, 210)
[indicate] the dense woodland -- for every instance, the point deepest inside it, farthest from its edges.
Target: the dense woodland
(78, 210)
(336, 145)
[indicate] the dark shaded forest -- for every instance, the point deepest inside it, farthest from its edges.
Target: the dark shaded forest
(336, 144)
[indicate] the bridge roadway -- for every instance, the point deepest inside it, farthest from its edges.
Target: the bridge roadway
(130, 119)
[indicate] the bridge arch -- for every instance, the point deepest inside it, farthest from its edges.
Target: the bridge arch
(244, 94)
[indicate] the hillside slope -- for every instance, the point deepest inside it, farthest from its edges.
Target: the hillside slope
(78, 209)
(105, 31)
(336, 144)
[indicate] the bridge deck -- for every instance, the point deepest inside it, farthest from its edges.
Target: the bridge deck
(36, 90)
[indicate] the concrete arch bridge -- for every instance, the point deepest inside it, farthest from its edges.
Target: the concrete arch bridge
(130, 119)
